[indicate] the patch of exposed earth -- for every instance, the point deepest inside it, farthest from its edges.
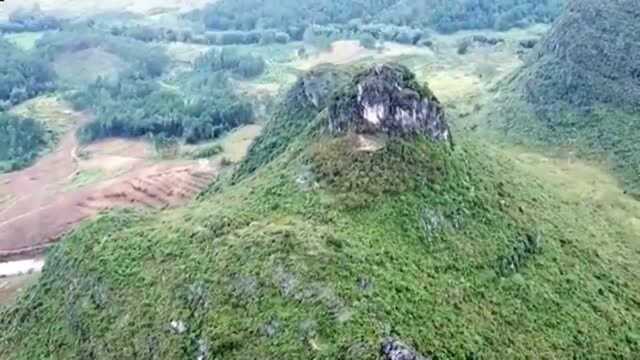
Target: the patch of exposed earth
(41, 203)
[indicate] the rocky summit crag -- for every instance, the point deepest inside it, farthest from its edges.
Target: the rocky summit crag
(387, 99)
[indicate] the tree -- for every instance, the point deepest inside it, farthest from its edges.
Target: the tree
(367, 41)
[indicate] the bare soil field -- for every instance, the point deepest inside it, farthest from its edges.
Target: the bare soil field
(39, 204)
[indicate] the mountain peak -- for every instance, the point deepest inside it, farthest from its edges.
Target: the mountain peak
(387, 99)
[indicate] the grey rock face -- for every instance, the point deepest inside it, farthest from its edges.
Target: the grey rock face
(387, 99)
(392, 349)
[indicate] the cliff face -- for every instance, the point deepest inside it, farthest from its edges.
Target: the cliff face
(589, 58)
(387, 99)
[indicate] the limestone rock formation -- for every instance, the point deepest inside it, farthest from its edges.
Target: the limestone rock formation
(387, 99)
(589, 58)
(392, 349)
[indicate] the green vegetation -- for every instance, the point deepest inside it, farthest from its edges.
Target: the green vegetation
(602, 135)
(306, 98)
(165, 146)
(367, 41)
(86, 177)
(294, 16)
(569, 98)
(133, 107)
(25, 41)
(22, 75)
(21, 141)
(322, 251)
(313, 248)
(83, 67)
(149, 34)
(141, 58)
(448, 16)
(49, 110)
(207, 151)
(225, 59)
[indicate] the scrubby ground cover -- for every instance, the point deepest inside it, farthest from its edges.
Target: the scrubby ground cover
(321, 251)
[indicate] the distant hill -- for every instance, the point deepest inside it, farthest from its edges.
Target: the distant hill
(581, 86)
(588, 59)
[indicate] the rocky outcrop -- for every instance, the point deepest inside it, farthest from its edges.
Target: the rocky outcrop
(392, 349)
(387, 99)
(588, 58)
(316, 86)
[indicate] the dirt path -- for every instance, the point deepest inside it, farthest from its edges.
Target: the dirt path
(41, 203)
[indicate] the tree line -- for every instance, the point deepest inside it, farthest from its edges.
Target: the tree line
(294, 16)
(33, 19)
(232, 37)
(23, 75)
(141, 57)
(231, 60)
(21, 140)
(135, 106)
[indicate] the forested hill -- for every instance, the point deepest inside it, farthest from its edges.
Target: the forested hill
(337, 238)
(443, 15)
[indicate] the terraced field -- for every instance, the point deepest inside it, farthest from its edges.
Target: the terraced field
(40, 203)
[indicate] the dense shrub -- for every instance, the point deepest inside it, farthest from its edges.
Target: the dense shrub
(367, 41)
(22, 75)
(231, 37)
(21, 140)
(463, 47)
(243, 65)
(293, 16)
(321, 37)
(134, 106)
(449, 16)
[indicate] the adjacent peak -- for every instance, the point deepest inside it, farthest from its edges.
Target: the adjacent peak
(589, 58)
(387, 99)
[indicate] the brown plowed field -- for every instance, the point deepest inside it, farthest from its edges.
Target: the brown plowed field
(40, 203)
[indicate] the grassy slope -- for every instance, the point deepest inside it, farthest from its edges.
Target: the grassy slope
(85, 66)
(321, 252)
(25, 41)
(605, 134)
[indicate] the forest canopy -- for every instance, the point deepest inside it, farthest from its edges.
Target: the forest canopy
(22, 75)
(21, 140)
(136, 106)
(293, 16)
